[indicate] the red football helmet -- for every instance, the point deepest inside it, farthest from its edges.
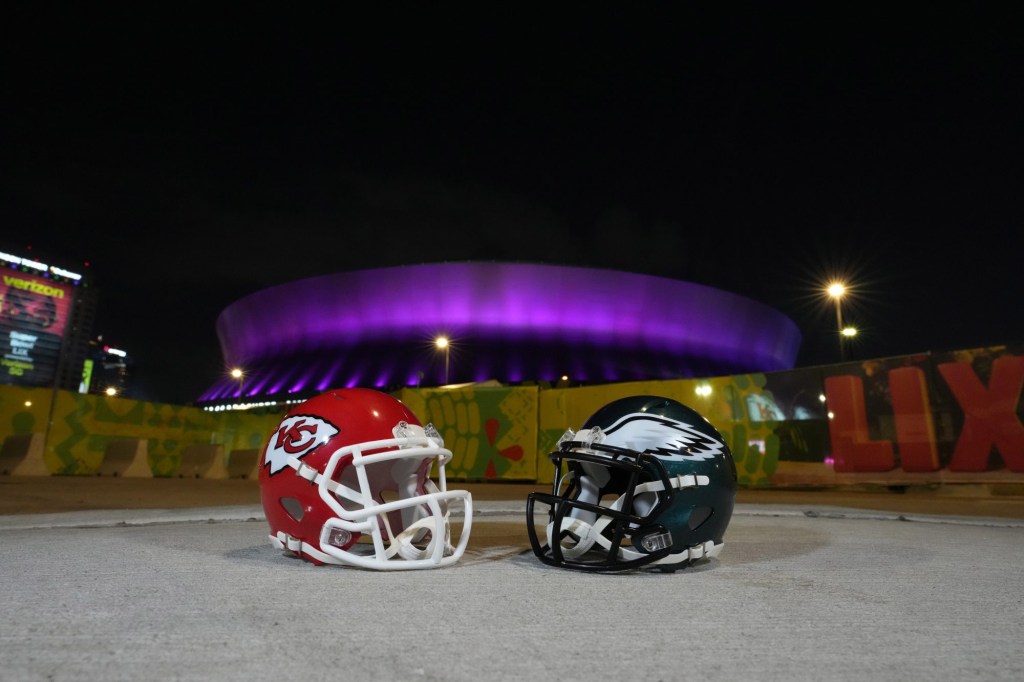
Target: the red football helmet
(345, 479)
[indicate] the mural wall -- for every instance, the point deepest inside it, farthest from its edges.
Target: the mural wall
(88, 432)
(921, 419)
(492, 432)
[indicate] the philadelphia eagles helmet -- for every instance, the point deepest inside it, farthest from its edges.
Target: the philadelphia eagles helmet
(647, 482)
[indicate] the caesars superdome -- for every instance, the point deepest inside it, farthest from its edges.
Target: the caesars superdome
(509, 322)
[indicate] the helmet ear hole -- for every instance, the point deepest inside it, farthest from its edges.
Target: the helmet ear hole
(292, 507)
(698, 516)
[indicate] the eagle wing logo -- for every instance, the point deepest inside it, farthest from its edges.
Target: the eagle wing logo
(664, 437)
(297, 436)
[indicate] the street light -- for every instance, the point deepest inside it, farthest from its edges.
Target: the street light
(849, 332)
(836, 290)
(442, 344)
(238, 374)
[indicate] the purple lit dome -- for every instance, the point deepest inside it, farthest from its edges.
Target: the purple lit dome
(511, 322)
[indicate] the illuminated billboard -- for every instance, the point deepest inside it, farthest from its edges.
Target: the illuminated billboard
(33, 314)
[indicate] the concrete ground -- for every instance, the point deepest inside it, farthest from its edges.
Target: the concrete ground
(173, 579)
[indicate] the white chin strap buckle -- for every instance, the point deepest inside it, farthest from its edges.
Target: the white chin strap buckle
(581, 530)
(404, 540)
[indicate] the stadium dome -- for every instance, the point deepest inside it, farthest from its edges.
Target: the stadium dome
(510, 322)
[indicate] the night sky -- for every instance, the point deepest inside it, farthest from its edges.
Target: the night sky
(193, 157)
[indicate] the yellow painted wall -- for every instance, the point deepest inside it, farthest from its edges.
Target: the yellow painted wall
(492, 432)
(753, 444)
(84, 425)
(506, 433)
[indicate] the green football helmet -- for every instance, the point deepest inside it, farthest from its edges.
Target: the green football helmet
(647, 482)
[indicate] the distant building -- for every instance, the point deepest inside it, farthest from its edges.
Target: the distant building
(47, 314)
(108, 370)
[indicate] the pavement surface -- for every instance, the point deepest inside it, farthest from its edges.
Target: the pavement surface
(173, 579)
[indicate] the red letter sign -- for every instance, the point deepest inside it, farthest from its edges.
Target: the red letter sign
(990, 415)
(915, 429)
(852, 448)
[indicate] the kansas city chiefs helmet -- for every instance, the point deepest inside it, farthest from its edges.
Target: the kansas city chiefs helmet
(346, 479)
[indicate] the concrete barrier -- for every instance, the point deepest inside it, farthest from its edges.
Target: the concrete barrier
(126, 457)
(22, 455)
(244, 464)
(203, 461)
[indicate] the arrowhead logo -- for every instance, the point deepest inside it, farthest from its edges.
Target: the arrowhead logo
(297, 436)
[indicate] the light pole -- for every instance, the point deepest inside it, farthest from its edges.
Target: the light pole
(442, 344)
(836, 290)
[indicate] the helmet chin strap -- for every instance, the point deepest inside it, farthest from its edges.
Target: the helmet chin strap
(580, 521)
(402, 544)
(589, 534)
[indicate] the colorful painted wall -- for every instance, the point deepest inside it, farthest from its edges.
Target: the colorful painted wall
(151, 439)
(922, 419)
(492, 432)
